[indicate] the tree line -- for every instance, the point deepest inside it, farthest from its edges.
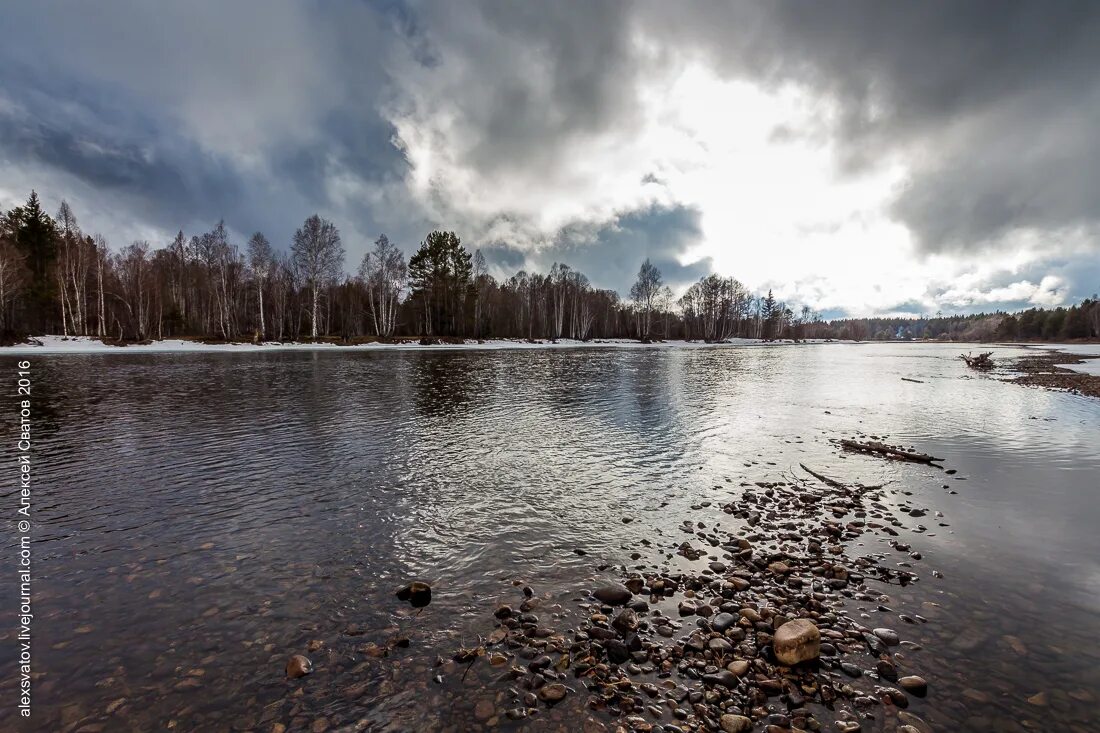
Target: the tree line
(1076, 322)
(55, 278)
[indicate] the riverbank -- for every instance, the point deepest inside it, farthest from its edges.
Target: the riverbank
(89, 345)
(55, 344)
(1072, 369)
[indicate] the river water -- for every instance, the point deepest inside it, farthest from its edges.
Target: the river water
(198, 518)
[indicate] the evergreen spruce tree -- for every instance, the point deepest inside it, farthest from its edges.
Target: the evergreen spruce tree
(440, 273)
(36, 238)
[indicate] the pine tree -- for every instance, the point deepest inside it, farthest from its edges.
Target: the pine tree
(440, 275)
(767, 314)
(36, 238)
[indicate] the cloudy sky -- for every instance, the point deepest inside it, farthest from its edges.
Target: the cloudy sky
(858, 157)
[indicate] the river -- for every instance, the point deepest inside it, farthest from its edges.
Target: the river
(198, 518)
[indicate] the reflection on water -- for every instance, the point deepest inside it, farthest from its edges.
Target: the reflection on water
(199, 518)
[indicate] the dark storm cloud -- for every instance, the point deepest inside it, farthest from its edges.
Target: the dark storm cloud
(996, 102)
(658, 233)
(993, 104)
(532, 75)
(179, 115)
(130, 159)
(263, 112)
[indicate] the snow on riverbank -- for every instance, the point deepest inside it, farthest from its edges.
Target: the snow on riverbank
(87, 345)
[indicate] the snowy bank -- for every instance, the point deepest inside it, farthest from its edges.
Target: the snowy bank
(88, 345)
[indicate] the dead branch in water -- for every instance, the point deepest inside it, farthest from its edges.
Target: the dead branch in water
(823, 479)
(873, 446)
(981, 361)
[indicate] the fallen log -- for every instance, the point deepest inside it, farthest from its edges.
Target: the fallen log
(907, 379)
(981, 361)
(873, 446)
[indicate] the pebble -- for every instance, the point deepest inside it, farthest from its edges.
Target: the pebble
(298, 666)
(760, 601)
(722, 621)
(626, 621)
(417, 593)
(552, 693)
(739, 667)
(735, 723)
(484, 709)
(914, 722)
(719, 645)
(797, 641)
(914, 685)
(613, 594)
(1039, 699)
(888, 636)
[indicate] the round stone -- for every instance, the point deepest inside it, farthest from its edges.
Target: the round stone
(735, 723)
(552, 693)
(613, 594)
(796, 642)
(298, 666)
(914, 685)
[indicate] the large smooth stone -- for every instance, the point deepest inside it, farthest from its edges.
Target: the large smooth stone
(298, 666)
(613, 594)
(722, 621)
(735, 723)
(417, 593)
(796, 642)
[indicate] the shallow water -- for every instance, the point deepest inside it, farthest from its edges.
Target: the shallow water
(200, 517)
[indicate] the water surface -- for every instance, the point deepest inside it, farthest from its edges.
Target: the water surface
(200, 517)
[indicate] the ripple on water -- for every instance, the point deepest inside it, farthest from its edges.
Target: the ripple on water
(216, 510)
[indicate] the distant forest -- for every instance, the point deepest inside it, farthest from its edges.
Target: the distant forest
(54, 278)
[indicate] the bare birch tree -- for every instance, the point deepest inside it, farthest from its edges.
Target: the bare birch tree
(261, 260)
(319, 256)
(644, 292)
(385, 275)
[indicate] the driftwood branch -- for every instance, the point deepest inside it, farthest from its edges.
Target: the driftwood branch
(873, 446)
(981, 361)
(823, 479)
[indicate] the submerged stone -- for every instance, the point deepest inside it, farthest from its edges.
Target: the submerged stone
(417, 593)
(298, 666)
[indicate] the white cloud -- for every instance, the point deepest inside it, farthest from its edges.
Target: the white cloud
(773, 207)
(519, 123)
(760, 165)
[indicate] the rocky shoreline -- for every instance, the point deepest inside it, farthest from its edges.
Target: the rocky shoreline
(1046, 370)
(739, 629)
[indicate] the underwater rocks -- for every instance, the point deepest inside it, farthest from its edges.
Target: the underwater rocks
(417, 593)
(298, 666)
(914, 685)
(742, 625)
